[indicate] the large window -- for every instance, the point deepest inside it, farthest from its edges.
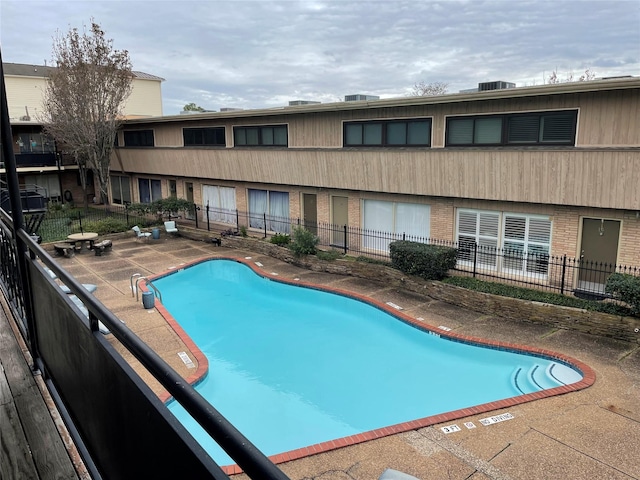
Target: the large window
(150, 190)
(138, 138)
(539, 128)
(209, 136)
(260, 136)
(274, 206)
(510, 242)
(385, 222)
(120, 190)
(388, 133)
(35, 143)
(221, 202)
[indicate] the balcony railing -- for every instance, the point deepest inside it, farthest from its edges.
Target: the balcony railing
(46, 159)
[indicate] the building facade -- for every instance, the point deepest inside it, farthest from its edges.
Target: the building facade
(551, 169)
(40, 167)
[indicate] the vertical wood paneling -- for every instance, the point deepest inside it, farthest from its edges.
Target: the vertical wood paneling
(599, 178)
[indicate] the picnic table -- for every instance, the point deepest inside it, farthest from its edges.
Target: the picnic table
(81, 238)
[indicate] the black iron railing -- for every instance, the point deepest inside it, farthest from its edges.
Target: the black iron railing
(538, 269)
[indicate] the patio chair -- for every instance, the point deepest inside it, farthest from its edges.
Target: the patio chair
(171, 227)
(140, 234)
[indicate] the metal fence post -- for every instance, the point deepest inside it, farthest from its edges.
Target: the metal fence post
(475, 258)
(345, 239)
(264, 217)
(208, 224)
(564, 270)
(237, 220)
(195, 213)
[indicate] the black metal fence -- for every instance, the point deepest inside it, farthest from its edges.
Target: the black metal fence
(555, 273)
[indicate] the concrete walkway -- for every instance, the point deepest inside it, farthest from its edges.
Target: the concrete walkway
(591, 434)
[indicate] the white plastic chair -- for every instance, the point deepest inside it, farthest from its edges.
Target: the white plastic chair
(140, 234)
(171, 227)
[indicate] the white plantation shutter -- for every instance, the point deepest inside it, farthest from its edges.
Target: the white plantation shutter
(481, 228)
(526, 243)
(221, 201)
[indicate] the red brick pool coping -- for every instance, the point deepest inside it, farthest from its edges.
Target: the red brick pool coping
(588, 375)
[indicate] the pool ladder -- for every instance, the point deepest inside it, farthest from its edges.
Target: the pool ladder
(148, 283)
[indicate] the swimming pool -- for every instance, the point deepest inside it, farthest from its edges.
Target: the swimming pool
(292, 367)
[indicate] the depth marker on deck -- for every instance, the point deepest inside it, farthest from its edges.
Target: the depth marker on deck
(187, 361)
(393, 305)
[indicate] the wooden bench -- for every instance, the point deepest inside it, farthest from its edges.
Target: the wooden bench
(66, 249)
(101, 247)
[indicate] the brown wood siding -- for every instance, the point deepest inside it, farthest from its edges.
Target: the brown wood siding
(598, 178)
(608, 119)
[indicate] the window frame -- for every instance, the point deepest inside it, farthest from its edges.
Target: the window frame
(505, 256)
(508, 121)
(141, 141)
(384, 123)
(202, 131)
(260, 131)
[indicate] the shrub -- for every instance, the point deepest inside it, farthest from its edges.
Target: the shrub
(431, 262)
(281, 239)
(626, 288)
(105, 225)
(243, 231)
(303, 242)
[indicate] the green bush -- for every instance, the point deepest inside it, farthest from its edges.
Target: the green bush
(303, 242)
(105, 225)
(626, 288)
(522, 293)
(431, 262)
(281, 239)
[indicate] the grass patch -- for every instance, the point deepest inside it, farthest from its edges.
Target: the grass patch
(522, 293)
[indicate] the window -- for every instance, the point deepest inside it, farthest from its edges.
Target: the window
(221, 202)
(515, 243)
(120, 190)
(272, 205)
(388, 133)
(263, 136)
(540, 128)
(150, 190)
(394, 220)
(35, 143)
(210, 136)
(138, 138)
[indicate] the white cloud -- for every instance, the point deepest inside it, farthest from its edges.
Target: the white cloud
(252, 53)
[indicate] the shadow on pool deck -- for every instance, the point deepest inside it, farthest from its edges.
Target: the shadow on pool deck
(593, 433)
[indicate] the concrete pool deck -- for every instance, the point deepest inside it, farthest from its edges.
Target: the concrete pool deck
(592, 433)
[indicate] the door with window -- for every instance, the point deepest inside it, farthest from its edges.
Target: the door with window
(310, 212)
(339, 218)
(598, 253)
(188, 188)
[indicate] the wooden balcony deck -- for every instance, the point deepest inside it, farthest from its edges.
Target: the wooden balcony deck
(31, 444)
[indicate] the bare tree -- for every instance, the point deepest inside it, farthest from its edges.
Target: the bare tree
(585, 77)
(84, 98)
(422, 89)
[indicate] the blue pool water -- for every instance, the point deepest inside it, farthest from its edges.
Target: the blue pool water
(291, 366)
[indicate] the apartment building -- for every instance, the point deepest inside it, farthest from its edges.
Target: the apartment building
(41, 169)
(551, 169)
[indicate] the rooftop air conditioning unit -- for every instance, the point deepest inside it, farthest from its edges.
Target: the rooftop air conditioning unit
(498, 85)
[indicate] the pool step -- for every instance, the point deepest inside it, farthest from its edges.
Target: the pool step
(536, 378)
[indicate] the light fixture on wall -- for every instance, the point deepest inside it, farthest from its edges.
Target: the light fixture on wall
(601, 228)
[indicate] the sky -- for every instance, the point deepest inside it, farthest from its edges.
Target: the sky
(265, 53)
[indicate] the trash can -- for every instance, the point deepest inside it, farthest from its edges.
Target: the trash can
(148, 299)
(155, 233)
